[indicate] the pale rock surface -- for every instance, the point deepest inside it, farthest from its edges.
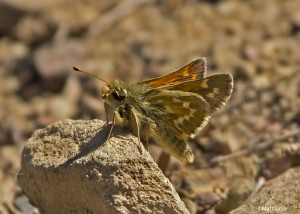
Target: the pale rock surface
(66, 168)
(279, 195)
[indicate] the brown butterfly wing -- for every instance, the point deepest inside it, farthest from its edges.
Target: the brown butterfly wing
(184, 111)
(216, 89)
(193, 71)
(178, 116)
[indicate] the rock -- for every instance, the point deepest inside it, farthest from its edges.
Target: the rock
(8, 166)
(66, 168)
(54, 61)
(9, 16)
(32, 31)
(280, 195)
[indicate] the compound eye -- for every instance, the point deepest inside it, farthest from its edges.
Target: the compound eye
(120, 95)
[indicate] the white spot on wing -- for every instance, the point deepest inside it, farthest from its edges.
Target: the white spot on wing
(176, 100)
(180, 120)
(159, 101)
(169, 109)
(204, 84)
(186, 104)
(216, 90)
(186, 117)
(193, 111)
(211, 95)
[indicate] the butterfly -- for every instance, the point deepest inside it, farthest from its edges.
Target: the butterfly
(169, 109)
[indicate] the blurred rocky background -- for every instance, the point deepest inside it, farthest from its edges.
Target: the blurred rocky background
(253, 139)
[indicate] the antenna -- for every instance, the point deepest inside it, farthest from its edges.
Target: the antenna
(92, 75)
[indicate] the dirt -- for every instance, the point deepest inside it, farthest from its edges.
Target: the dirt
(254, 137)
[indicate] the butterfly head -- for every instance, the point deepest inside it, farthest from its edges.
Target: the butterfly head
(114, 92)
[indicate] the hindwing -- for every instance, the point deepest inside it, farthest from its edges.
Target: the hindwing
(185, 111)
(216, 89)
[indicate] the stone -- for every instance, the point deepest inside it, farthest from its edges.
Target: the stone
(66, 168)
(279, 195)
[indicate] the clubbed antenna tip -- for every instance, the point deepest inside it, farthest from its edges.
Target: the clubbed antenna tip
(92, 75)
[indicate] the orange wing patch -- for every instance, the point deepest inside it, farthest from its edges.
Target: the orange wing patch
(194, 70)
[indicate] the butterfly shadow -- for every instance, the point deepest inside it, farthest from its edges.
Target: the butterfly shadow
(93, 144)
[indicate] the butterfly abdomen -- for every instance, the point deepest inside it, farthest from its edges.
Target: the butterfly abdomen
(173, 143)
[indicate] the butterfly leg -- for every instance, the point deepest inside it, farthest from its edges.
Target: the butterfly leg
(112, 126)
(136, 126)
(163, 161)
(106, 107)
(147, 135)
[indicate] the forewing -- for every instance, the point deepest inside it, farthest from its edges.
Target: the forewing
(194, 70)
(186, 112)
(216, 89)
